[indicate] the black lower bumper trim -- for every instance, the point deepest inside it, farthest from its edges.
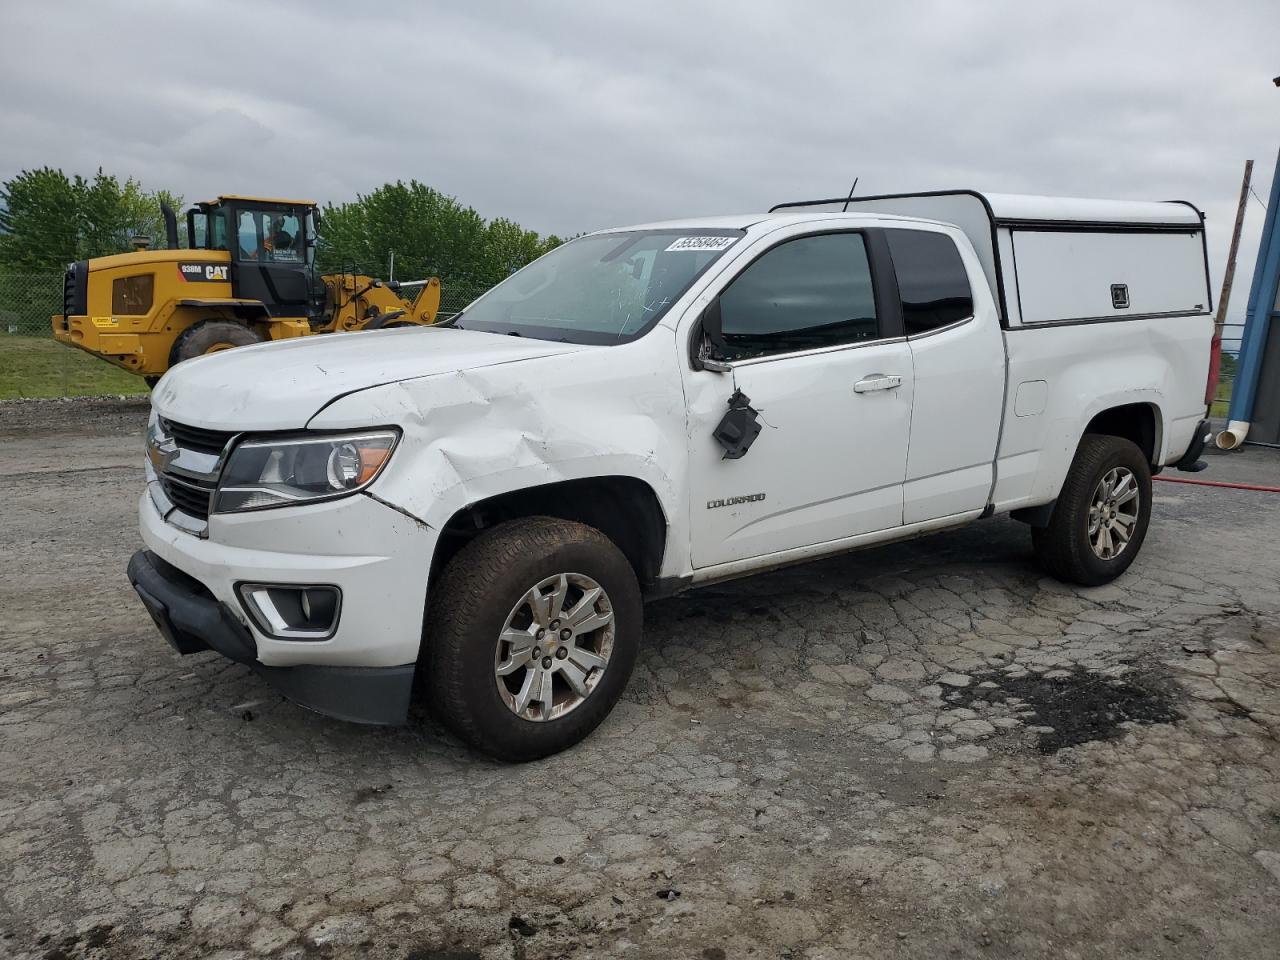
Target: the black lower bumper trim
(193, 621)
(188, 616)
(1191, 462)
(377, 695)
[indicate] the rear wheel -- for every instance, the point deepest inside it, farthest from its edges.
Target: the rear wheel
(210, 336)
(1102, 514)
(532, 632)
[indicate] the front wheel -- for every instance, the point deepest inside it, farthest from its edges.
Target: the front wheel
(1102, 513)
(532, 632)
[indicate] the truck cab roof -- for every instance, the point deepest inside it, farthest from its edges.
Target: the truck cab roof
(745, 221)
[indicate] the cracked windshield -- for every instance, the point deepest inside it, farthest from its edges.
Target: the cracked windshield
(609, 288)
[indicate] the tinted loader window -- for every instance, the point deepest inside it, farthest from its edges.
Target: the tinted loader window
(806, 293)
(932, 281)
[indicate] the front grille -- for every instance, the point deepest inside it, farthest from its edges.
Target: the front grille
(197, 438)
(187, 495)
(189, 475)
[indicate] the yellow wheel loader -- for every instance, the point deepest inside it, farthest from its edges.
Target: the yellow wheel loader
(246, 276)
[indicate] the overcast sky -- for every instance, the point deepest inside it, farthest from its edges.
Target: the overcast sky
(572, 116)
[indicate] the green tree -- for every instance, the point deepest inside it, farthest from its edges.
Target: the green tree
(48, 218)
(506, 247)
(38, 225)
(430, 232)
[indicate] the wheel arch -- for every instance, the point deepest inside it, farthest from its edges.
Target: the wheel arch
(625, 509)
(1139, 422)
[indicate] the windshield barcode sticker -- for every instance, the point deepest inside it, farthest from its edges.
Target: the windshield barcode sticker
(702, 244)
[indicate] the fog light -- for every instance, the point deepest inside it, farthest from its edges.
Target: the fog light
(292, 611)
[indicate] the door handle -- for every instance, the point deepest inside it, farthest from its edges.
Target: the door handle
(877, 381)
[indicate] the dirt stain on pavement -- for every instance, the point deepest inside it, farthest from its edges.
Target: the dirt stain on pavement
(1078, 706)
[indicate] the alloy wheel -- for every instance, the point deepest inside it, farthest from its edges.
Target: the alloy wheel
(554, 647)
(1113, 512)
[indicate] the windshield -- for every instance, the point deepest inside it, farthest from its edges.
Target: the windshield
(602, 289)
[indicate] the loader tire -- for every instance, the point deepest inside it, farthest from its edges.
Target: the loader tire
(210, 336)
(1101, 516)
(531, 601)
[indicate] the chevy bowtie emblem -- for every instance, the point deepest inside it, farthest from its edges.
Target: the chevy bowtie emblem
(162, 452)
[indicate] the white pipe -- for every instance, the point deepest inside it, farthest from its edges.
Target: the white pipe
(1233, 436)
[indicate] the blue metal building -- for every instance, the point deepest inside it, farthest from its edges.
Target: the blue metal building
(1255, 398)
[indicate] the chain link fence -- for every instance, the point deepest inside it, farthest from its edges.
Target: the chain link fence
(27, 301)
(33, 364)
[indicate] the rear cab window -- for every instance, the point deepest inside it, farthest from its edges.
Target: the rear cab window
(932, 281)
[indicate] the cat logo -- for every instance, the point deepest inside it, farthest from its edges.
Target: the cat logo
(203, 272)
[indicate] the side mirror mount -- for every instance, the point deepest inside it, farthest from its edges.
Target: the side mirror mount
(712, 340)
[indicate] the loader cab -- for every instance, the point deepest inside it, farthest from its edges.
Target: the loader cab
(272, 247)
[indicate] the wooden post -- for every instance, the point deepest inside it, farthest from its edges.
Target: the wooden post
(1228, 278)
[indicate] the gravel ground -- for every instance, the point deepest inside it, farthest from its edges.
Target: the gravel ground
(927, 750)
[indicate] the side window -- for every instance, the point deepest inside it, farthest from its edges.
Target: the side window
(248, 238)
(283, 237)
(932, 281)
(218, 231)
(198, 231)
(805, 293)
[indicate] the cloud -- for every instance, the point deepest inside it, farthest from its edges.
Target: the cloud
(567, 116)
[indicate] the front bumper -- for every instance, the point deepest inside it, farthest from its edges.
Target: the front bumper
(376, 556)
(193, 621)
(185, 613)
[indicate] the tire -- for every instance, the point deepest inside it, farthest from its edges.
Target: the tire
(1067, 548)
(483, 592)
(151, 382)
(210, 336)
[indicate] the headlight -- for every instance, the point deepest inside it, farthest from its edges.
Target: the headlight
(279, 473)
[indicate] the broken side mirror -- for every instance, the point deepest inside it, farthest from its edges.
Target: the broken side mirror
(738, 428)
(711, 342)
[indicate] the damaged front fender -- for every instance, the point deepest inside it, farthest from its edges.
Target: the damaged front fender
(472, 434)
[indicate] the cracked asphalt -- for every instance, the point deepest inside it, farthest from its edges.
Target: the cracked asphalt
(927, 750)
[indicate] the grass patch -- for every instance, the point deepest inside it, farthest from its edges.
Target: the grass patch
(42, 367)
(1221, 399)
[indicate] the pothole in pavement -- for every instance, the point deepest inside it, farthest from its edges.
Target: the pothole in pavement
(1075, 707)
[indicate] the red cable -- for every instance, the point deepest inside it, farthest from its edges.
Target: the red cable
(1218, 483)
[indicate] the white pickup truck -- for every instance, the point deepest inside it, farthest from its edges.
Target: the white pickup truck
(482, 506)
